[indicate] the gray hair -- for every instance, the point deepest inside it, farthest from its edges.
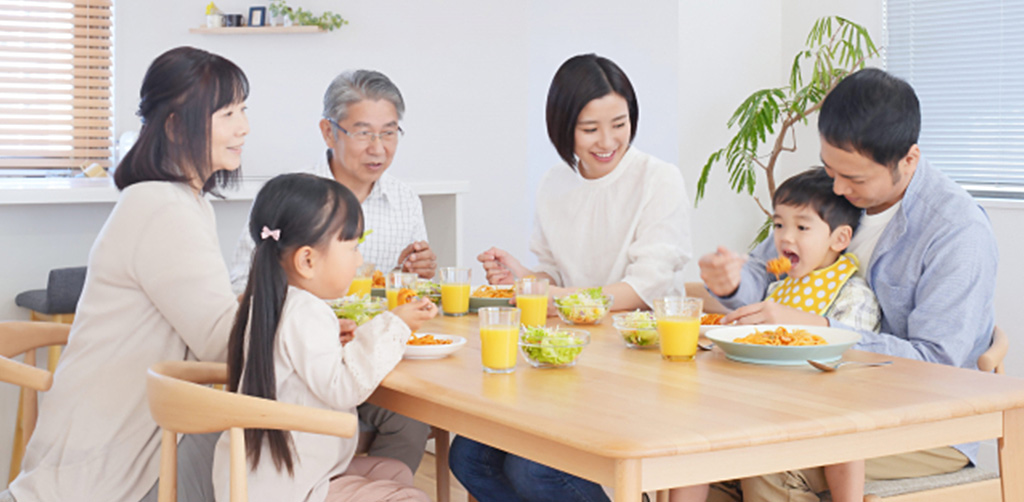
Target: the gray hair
(351, 87)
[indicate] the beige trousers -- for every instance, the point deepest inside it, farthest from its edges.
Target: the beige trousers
(805, 485)
(373, 479)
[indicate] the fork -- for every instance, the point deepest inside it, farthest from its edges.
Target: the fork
(828, 368)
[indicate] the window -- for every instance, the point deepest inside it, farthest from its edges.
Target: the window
(964, 59)
(55, 86)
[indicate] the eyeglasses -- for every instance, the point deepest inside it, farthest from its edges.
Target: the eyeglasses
(389, 137)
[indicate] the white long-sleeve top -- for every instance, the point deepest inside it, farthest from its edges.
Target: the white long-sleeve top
(631, 225)
(312, 368)
(156, 289)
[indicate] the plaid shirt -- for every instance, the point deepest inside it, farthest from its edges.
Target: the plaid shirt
(392, 210)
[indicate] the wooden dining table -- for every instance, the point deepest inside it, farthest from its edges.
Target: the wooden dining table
(631, 421)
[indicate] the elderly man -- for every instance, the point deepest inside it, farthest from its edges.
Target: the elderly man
(362, 109)
(930, 253)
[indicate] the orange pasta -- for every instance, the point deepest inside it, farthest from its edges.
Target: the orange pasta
(782, 336)
(405, 295)
(493, 292)
(427, 340)
(779, 266)
(711, 319)
(378, 279)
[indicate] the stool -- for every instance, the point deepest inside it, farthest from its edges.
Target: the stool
(57, 304)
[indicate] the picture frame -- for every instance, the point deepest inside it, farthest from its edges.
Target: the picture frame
(257, 16)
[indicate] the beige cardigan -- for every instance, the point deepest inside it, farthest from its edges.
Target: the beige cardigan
(157, 289)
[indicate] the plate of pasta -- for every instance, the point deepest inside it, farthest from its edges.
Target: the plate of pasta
(491, 296)
(783, 345)
(432, 345)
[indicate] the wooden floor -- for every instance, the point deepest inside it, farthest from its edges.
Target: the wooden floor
(426, 480)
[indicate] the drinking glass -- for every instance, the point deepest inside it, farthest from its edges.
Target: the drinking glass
(678, 326)
(532, 300)
(362, 283)
(499, 334)
(455, 290)
(396, 281)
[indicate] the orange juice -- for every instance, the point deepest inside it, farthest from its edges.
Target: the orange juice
(455, 298)
(392, 295)
(533, 309)
(498, 347)
(678, 337)
(360, 286)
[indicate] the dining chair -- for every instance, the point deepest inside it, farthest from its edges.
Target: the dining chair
(21, 337)
(970, 483)
(442, 442)
(181, 402)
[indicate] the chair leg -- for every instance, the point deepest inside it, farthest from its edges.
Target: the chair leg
(1011, 456)
(168, 488)
(443, 475)
(239, 486)
(28, 410)
(17, 449)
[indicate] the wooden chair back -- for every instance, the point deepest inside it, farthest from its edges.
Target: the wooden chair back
(980, 491)
(16, 338)
(180, 402)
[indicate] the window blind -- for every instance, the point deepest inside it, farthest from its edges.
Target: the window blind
(55, 84)
(965, 60)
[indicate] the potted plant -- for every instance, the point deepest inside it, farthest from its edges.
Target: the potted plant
(286, 14)
(835, 47)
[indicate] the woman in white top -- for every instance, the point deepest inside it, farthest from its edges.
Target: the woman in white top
(612, 216)
(157, 289)
(286, 345)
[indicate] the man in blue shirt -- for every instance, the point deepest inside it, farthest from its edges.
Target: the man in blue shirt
(929, 248)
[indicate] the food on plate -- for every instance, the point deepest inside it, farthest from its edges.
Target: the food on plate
(782, 336)
(586, 306)
(486, 291)
(428, 339)
(552, 346)
(378, 279)
(359, 309)
(778, 266)
(638, 328)
(711, 319)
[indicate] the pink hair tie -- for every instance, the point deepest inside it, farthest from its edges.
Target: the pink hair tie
(274, 234)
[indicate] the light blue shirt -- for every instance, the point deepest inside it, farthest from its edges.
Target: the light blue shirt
(933, 272)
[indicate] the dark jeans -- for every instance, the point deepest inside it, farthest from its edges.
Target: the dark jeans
(491, 475)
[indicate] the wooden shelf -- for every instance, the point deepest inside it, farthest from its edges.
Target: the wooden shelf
(251, 30)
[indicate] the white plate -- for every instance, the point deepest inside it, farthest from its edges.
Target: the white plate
(838, 341)
(704, 328)
(434, 351)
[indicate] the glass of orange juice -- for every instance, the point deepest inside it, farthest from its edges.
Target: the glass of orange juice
(499, 336)
(455, 290)
(395, 282)
(532, 300)
(678, 326)
(362, 283)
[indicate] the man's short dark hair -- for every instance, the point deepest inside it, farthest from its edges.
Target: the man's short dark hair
(872, 113)
(577, 82)
(813, 188)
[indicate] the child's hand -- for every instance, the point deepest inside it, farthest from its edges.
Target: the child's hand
(348, 328)
(769, 312)
(721, 271)
(416, 313)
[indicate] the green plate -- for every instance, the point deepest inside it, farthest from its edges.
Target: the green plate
(379, 292)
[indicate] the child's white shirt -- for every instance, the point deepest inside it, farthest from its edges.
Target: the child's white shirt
(313, 369)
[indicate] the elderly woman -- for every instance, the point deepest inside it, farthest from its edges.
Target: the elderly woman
(612, 216)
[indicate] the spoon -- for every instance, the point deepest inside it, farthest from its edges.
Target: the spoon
(832, 367)
(706, 346)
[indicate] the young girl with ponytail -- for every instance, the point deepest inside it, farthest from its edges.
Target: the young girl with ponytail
(286, 345)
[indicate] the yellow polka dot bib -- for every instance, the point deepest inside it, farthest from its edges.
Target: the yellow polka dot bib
(816, 291)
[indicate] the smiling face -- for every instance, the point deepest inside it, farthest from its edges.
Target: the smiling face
(228, 128)
(803, 237)
(866, 183)
(358, 164)
(602, 135)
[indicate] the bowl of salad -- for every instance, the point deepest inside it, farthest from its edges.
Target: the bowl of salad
(639, 329)
(358, 308)
(555, 347)
(429, 289)
(586, 306)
